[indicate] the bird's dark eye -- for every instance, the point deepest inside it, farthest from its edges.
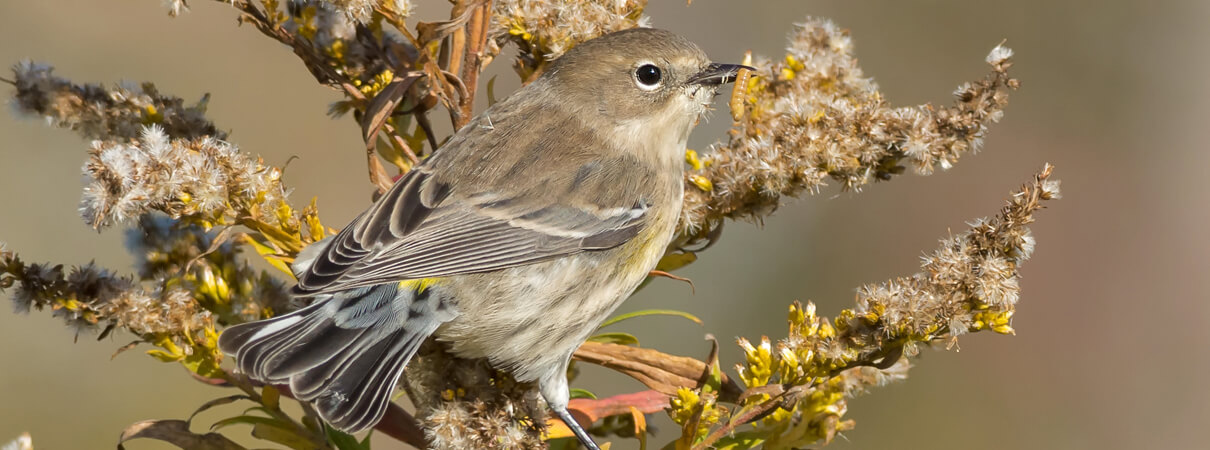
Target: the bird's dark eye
(648, 76)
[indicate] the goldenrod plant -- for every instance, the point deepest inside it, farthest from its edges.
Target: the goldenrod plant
(198, 207)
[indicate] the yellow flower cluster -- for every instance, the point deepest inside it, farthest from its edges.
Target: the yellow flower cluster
(696, 410)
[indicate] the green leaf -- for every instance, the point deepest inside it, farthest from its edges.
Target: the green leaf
(263, 409)
(270, 397)
(567, 443)
(491, 91)
(650, 312)
(715, 382)
(582, 393)
(346, 441)
(615, 338)
(217, 402)
(202, 363)
(164, 356)
(269, 253)
(244, 419)
(673, 261)
(287, 436)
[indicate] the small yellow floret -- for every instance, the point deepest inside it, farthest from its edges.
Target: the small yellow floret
(694, 161)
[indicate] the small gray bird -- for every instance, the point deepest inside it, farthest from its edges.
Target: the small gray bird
(512, 243)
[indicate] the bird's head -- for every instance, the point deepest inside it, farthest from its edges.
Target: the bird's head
(644, 82)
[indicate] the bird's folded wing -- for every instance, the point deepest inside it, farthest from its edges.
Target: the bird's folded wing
(416, 232)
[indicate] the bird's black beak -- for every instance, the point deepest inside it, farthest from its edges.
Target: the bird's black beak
(716, 74)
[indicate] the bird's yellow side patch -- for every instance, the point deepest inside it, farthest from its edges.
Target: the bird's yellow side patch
(419, 285)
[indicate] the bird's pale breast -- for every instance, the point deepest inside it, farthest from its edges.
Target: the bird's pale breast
(530, 319)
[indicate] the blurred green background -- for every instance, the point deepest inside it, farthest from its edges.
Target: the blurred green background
(1111, 344)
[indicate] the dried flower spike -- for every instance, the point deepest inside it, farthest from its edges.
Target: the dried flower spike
(545, 29)
(116, 114)
(206, 178)
(968, 284)
(813, 115)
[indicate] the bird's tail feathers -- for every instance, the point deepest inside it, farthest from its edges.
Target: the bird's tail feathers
(344, 353)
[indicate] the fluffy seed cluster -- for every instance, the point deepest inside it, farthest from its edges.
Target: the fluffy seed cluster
(342, 43)
(188, 281)
(204, 177)
(804, 119)
(110, 114)
(545, 29)
(89, 296)
(358, 10)
(467, 404)
(367, 59)
(320, 21)
(151, 155)
(362, 10)
(478, 424)
(22, 442)
(968, 284)
(814, 116)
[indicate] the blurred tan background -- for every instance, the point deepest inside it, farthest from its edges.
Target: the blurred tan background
(1111, 345)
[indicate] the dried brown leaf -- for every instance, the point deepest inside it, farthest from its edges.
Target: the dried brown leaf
(176, 432)
(657, 370)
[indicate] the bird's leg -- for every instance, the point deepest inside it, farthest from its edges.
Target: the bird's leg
(555, 390)
(579, 431)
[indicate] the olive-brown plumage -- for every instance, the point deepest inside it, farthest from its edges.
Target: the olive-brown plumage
(513, 242)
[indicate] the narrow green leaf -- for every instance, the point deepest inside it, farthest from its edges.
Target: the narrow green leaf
(673, 261)
(269, 253)
(216, 402)
(491, 91)
(270, 397)
(615, 338)
(164, 356)
(346, 441)
(582, 393)
(651, 312)
(715, 381)
(244, 419)
(284, 435)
